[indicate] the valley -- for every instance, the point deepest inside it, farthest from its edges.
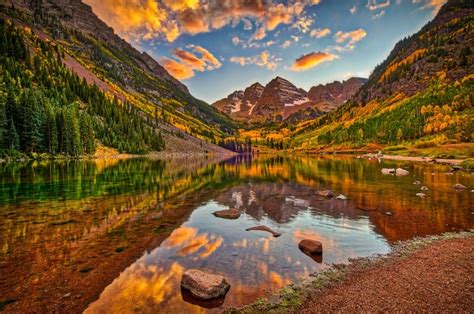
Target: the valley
(236, 156)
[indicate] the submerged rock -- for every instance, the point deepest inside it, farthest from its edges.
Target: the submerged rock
(227, 213)
(421, 195)
(325, 193)
(264, 228)
(341, 197)
(401, 172)
(388, 170)
(311, 247)
(417, 183)
(203, 285)
(424, 188)
(388, 213)
(459, 187)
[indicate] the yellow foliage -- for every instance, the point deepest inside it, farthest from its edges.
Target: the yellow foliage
(408, 60)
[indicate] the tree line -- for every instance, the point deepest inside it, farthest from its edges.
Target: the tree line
(46, 108)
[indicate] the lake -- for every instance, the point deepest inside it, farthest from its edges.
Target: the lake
(117, 235)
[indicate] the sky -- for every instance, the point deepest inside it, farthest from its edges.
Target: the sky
(218, 46)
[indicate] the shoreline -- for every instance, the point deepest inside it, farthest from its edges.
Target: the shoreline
(414, 159)
(317, 288)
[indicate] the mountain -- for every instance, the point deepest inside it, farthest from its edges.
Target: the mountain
(333, 95)
(421, 95)
(281, 100)
(90, 50)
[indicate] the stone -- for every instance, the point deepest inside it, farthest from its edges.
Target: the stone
(421, 195)
(459, 187)
(341, 197)
(388, 170)
(264, 228)
(325, 193)
(227, 213)
(311, 247)
(203, 285)
(388, 213)
(417, 183)
(401, 172)
(424, 188)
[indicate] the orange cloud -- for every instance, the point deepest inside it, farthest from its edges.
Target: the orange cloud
(168, 19)
(311, 60)
(190, 59)
(428, 4)
(178, 70)
(320, 32)
(188, 62)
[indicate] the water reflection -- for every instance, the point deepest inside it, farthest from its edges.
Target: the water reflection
(74, 226)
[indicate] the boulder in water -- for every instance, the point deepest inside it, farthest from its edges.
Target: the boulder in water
(203, 285)
(227, 213)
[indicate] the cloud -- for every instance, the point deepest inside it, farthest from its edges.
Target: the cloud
(168, 19)
(264, 59)
(303, 23)
(320, 32)
(186, 63)
(311, 60)
(373, 5)
(286, 44)
(178, 70)
(430, 4)
(378, 15)
(353, 10)
(260, 33)
(349, 38)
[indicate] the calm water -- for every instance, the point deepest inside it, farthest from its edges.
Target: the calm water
(117, 235)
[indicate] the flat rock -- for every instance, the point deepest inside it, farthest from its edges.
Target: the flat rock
(424, 188)
(341, 197)
(417, 183)
(401, 172)
(264, 228)
(311, 247)
(421, 195)
(325, 193)
(227, 213)
(459, 187)
(388, 170)
(203, 285)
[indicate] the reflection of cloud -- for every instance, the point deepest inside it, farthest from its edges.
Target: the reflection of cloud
(374, 5)
(299, 235)
(320, 32)
(190, 242)
(137, 287)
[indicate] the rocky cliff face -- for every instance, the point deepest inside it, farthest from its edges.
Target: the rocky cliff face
(280, 99)
(332, 95)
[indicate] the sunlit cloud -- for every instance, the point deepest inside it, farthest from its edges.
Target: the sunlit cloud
(264, 59)
(187, 62)
(349, 39)
(168, 19)
(320, 32)
(378, 15)
(376, 5)
(312, 60)
(430, 4)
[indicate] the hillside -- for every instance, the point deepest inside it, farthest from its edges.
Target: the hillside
(281, 100)
(421, 95)
(71, 35)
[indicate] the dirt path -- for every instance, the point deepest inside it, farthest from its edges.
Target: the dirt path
(437, 278)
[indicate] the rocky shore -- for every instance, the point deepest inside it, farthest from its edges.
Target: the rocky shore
(424, 274)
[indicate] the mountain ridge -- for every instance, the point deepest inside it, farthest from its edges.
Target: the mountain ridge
(279, 99)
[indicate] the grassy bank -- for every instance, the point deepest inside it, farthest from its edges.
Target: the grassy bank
(293, 297)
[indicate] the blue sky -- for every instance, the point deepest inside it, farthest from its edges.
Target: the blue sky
(216, 47)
